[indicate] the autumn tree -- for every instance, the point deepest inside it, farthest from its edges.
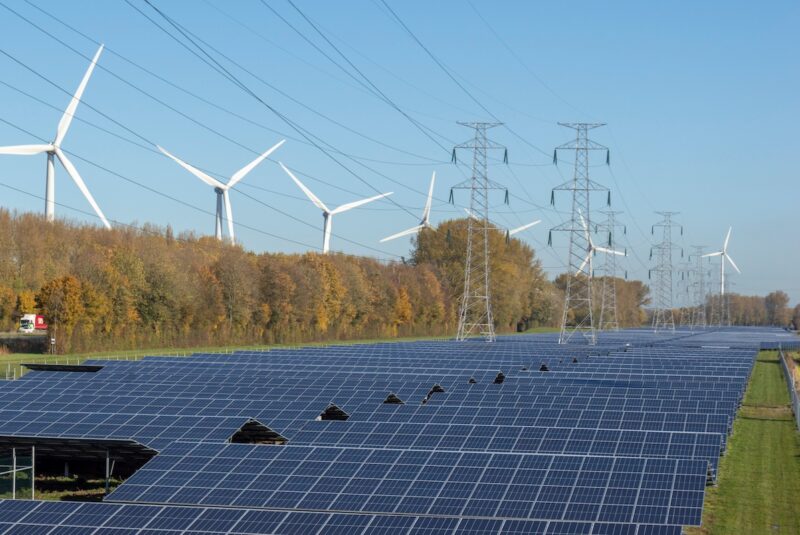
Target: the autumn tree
(777, 309)
(517, 283)
(61, 303)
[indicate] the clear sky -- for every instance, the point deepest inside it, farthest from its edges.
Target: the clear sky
(701, 101)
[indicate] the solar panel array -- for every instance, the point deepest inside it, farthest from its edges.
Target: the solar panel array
(520, 436)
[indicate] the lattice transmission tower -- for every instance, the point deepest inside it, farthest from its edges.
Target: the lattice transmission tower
(663, 317)
(720, 302)
(608, 320)
(475, 308)
(699, 320)
(577, 317)
(684, 291)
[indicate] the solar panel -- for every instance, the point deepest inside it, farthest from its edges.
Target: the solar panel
(615, 439)
(441, 483)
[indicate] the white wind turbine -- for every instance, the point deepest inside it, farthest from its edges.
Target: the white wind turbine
(509, 232)
(327, 213)
(425, 222)
(222, 190)
(725, 256)
(53, 151)
(591, 249)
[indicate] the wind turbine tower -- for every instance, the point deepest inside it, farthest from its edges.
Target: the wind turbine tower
(327, 213)
(222, 190)
(54, 151)
(475, 309)
(724, 304)
(578, 317)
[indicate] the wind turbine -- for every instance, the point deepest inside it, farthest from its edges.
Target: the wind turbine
(591, 248)
(327, 213)
(426, 216)
(53, 151)
(509, 232)
(725, 256)
(222, 189)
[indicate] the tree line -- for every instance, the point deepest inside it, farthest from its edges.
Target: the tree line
(131, 288)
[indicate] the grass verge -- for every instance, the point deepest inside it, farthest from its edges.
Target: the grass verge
(759, 476)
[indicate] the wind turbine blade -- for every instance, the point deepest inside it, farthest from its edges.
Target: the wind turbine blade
(228, 214)
(211, 181)
(718, 253)
(523, 227)
(609, 251)
(69, 113)
(406, 232)
(583, 264)
(470, 214)
(81, 185)
(318, 203)
(586, 230)
(733, 264)
(727, 239)
(356, 204)
(240, 174)
(426, 213)
(25, 150)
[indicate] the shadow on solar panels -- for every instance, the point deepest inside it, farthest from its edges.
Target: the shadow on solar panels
(332, 412)
(67, 469)
(254, 432)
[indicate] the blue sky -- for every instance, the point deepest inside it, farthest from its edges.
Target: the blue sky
(701, 101)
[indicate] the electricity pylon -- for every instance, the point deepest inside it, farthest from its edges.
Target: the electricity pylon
(475, 308)
(684, 290)
(608, 293)
(577, 316)
(699, 286)
(663, 317)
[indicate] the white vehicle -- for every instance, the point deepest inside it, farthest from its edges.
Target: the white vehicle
(30, 323)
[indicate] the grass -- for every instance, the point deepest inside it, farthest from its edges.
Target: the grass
(11, 364)
(759, 477)
(60, 488)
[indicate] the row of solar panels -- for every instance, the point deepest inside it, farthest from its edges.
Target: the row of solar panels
(72, 518)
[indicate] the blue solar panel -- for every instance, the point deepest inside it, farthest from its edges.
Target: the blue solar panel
(612, 439)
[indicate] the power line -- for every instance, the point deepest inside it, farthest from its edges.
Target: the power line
(189, 205)
(219, 68)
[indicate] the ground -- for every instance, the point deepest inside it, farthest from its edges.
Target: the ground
(758, 487)
(59, 488)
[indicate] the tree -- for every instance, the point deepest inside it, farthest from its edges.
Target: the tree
(8, 302)
(403, 313)
(518, 284)
(61, 303)
(777, 310)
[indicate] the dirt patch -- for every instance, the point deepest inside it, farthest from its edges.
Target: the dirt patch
(780, 412)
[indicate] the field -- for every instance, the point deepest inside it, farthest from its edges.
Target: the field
(759, 476)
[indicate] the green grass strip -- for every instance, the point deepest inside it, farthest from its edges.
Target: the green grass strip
(758, 487)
